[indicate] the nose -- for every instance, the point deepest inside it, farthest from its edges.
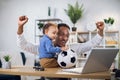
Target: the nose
(65, 38)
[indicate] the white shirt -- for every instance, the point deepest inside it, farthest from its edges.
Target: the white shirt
(78, 48)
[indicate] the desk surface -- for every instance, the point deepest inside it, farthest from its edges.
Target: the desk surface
(53, 72)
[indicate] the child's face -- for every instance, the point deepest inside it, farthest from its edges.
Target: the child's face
(52, 32)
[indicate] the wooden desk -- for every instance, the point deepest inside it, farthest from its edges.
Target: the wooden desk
(53, 72)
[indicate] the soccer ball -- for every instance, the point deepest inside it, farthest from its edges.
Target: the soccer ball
(67, 59)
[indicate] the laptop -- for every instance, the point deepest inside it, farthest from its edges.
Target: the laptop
(99, 59)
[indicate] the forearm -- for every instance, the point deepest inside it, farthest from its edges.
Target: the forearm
(101, 33)
(20, 30)
(89, 44)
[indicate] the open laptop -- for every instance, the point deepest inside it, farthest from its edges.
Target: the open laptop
(99, 59)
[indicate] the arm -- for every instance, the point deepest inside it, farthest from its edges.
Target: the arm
(22, 43)
(80, 48)
(21, 22)
(84, 47)
(47, 46)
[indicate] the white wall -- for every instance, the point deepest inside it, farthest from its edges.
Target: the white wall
(10, 10)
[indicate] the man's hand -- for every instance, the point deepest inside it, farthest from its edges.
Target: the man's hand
(22, 20)
(100, 27)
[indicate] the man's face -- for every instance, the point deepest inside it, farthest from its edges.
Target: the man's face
(62, 37)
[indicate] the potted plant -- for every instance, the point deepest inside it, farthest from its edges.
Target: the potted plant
(75, 13)
(7, 63)
(108, 22)
(40, 25)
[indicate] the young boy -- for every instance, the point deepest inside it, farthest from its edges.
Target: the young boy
(47, 50)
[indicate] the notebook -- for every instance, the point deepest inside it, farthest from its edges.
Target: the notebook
(99, 59)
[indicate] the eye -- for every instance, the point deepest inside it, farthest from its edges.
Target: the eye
(54, 32)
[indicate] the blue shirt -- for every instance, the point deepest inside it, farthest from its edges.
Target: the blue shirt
(46, 48)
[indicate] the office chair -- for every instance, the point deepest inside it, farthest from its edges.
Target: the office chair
(35, 63)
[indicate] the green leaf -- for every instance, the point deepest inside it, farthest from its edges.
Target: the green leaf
(106, 21)
(112, 21)
(109, 19)
(40, 25)
(7, 58)
(74, 12)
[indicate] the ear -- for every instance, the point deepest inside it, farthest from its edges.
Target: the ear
(46, 31)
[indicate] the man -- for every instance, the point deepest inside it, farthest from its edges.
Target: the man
(61, 39)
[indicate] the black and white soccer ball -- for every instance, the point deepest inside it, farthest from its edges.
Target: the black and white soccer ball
(67, 59)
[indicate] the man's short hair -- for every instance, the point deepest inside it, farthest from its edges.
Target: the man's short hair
(63, 25)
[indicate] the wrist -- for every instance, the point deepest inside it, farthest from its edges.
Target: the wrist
(101, 33)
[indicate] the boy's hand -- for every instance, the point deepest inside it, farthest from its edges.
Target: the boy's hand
(64, 48)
